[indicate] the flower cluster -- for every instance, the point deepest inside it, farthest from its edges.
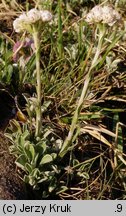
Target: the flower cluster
(31, 17)
(105, 14)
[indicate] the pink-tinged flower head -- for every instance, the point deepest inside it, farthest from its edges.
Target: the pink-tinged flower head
(33, 16)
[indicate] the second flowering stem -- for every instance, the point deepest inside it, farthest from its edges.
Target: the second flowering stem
(68, 139)
(38, 75)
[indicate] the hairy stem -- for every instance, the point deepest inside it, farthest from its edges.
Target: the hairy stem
(68, 140)
(38, 87)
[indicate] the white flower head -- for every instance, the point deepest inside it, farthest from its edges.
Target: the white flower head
(97, 13)
(26, 19)
(46, 16)
(20, 22)
(110, 16)
(33, 15)
(105, 14)
(89, 18)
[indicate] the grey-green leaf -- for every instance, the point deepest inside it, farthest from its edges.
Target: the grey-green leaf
(46, 159)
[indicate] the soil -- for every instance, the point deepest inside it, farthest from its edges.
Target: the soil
(11, 186)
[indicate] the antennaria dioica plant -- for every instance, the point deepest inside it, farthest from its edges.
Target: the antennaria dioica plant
(32, 22)
(102, 17)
